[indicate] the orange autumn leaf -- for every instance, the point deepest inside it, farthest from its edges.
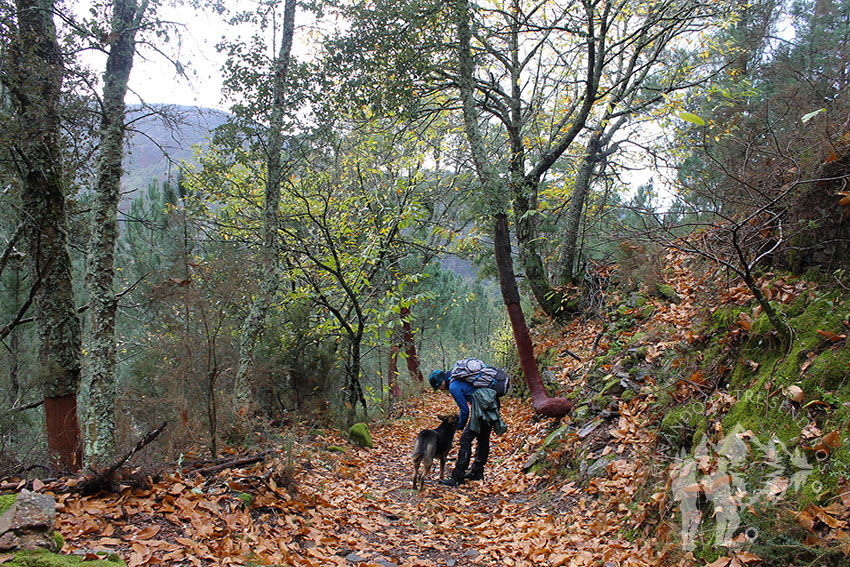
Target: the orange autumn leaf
(832, 440)
(831, 337)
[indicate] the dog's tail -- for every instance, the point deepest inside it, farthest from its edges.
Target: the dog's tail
(418, 451)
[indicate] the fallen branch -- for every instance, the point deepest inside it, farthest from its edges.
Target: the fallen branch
(25, 407)
(242, 461)
(105, 480)
(572, 354)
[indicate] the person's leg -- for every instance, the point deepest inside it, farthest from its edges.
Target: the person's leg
(482, 453)
(464, 452)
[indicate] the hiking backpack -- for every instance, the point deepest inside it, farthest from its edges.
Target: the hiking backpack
(480, 375)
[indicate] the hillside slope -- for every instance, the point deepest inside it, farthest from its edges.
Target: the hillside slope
(157, 144)
(749, 457)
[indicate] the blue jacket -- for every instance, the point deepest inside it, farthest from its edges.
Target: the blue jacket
(462, 392)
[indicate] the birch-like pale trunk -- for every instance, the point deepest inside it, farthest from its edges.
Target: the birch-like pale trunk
(100, 422)
(34, 79)
(541, 402)
(254, 323)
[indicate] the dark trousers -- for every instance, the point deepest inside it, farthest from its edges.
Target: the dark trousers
(464, 452)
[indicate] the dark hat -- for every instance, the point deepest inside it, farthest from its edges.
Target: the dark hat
(436, 378)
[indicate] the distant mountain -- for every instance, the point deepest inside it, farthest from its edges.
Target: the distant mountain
(160, 142)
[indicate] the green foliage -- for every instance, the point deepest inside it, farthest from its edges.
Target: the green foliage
(458, 318)
(295, 365)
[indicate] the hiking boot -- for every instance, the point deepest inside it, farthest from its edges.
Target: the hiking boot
(449, 482)
(474, 476)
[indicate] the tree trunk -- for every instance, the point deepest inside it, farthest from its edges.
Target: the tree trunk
(581, 189)
(524, 192)
(392, 373)
(354, 388)
(34, 82)
(553, 407)
(410, 347)
(100, 423)
(254, 324)
(540, 400)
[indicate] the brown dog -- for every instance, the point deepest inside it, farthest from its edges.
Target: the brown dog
(431, 443)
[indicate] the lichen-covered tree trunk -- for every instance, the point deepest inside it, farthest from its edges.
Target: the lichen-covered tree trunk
(553, 407)
(254, 323)
(34, 82)
(524, 205)
(524, 191)
(572, 223)
(100, 422)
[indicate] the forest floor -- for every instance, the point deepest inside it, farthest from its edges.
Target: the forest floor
(357, 507)
(601, 498)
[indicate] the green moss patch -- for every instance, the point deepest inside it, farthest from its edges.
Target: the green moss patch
(47, 559)
(6, 501)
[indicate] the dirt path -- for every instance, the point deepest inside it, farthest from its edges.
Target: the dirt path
(390, 523)
(497, 521)
(356, 507)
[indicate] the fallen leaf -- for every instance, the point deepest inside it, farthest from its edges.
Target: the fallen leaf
(831, 337)
(844, 491)
(148, 532)
(795, 394)
(832, 440)
(747, 557)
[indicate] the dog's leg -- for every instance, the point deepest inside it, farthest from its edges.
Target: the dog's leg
(417, 479)
(426, 469)
(442, 465)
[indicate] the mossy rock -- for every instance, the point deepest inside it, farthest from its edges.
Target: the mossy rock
(336, 449)
(6, 501)
(640, 352)
(599, 467)
(360, 435)
(47, 559)
(613, 387)
(580, 414)
(667, 292)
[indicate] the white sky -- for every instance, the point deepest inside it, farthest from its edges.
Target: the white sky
(154, 79)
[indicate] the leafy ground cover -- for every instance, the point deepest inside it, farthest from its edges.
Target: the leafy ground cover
(356, 506)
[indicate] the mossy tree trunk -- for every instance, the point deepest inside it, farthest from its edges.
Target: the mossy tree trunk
(100, 423)
(254, 323)
(34, 79)
(554, 407)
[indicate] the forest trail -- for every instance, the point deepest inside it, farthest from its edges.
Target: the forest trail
(356, 507)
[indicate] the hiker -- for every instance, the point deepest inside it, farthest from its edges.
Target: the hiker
(479, 416)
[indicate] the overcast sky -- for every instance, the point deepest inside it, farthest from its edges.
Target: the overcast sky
(154, 78)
